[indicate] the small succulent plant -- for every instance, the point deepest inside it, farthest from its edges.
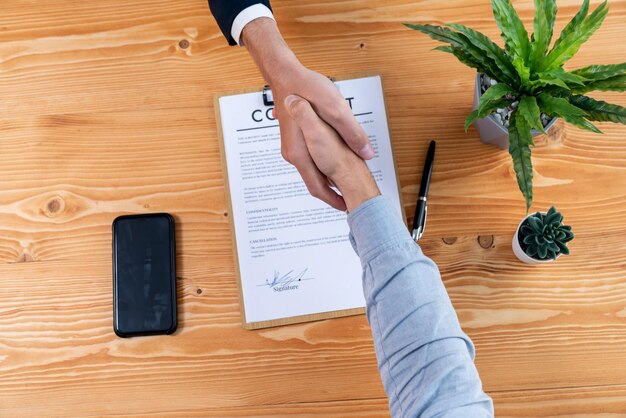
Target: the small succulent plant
(529, 75)
(543, 236)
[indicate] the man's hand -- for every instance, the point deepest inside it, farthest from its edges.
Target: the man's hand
(287, 76)
(331, 155)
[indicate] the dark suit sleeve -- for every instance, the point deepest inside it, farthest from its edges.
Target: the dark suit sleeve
(225, 12)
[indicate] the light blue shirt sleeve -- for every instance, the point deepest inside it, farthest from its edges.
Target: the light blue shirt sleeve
(425, 360)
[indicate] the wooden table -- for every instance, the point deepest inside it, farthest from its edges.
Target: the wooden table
(106, 108)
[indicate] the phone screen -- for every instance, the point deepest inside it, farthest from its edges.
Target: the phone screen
(144, 275)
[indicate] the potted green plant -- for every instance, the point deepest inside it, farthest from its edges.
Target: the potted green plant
(541, 237)
(522, 88)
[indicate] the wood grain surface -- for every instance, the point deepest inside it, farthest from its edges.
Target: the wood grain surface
(106, 108)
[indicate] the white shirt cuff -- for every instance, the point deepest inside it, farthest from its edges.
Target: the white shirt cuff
(246, 16)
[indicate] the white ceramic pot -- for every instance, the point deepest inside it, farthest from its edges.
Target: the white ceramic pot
(517, 248)
(491, 131)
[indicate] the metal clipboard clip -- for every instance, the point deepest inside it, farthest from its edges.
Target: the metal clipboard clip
(268, 96)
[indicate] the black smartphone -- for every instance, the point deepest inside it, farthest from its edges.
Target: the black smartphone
(144, 275)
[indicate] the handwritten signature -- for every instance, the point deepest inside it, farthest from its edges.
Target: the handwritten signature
(286, 279)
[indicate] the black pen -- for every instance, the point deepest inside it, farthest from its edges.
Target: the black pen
(421, 209)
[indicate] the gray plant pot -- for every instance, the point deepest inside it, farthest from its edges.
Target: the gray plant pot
(490, 130)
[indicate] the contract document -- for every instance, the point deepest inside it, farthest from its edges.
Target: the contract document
(292, 253)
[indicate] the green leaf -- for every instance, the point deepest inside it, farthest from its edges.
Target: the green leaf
(471, 118)
(437, 33)
(573, 24)
(566, 46)
(553, 216)
(582, 123)
(531, 250)
(486, 111)
(462, 48)
(617, 83)
(556, 77)
(481, 66)
(491, 50)
(468, 60)
(541, 82)
(557, 106)
(490, 101)
(543, 27)
(443, 48)
(569, 234)
(561, 74)
(494, 92)
(563, 248)
(514, 34)
(529, 110)
(522, 70)
(519, 141)
(601, 72)
(535, 224)
(599, 110)
(556, 91)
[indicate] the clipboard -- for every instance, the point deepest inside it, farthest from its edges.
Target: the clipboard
(301, 318)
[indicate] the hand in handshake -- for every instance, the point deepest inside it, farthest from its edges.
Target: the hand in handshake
(331, 155)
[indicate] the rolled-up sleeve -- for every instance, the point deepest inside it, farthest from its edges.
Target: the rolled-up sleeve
(424, 358)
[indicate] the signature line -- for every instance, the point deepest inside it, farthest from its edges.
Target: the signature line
(286, 279)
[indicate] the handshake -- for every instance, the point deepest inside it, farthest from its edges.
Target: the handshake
(323, 158)
(319, 134)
